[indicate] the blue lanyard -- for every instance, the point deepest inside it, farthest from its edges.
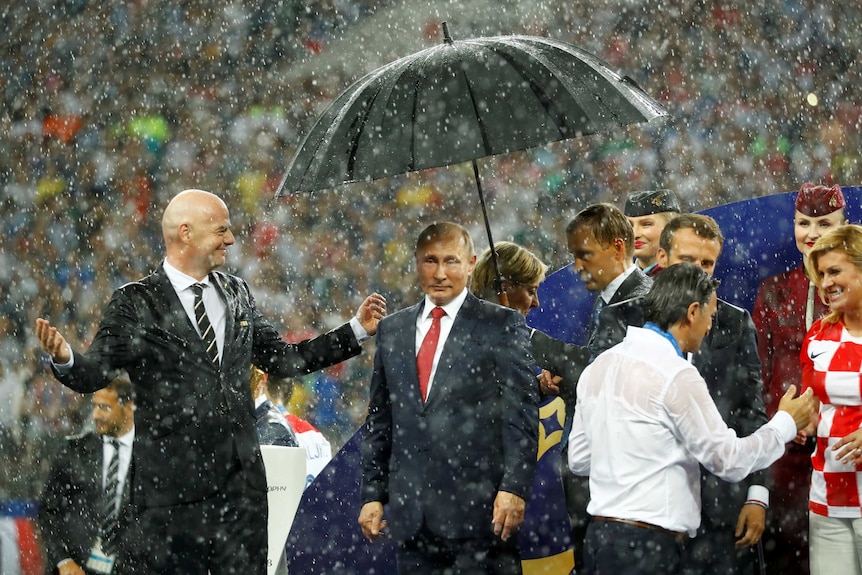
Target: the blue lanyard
(665, 334)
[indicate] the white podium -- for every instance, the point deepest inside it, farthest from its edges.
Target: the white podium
(285, 480)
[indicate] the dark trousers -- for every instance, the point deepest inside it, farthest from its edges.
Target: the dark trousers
(222, 535)
(430, 554)
(577, 492)
(620, 549)
(714, 552)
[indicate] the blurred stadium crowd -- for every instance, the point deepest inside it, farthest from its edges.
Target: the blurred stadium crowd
(110, 108)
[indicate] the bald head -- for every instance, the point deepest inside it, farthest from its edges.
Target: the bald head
(196, 229)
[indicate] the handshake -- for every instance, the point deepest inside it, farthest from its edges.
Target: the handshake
(802, 409)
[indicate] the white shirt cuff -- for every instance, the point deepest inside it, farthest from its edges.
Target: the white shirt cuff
(784, 424)
(759, 494)
(358, 330)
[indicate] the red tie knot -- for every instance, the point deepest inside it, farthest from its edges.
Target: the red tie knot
(438, 312)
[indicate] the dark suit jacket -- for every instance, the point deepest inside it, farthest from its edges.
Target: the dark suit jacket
(193, 419)
(445, 460)
(569, 360)
(729, 363)
(69, 513)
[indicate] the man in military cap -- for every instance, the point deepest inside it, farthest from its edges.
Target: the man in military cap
(648, 212)
(786, 306)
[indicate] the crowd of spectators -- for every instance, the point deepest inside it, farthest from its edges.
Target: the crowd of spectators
(110, 108)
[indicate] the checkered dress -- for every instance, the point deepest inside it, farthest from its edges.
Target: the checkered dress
(832, 366)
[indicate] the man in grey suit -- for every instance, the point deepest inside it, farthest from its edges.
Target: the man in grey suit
(451, 436)
(187, 335)
(733, 516)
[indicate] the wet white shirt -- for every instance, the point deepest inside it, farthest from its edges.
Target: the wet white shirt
(643, 420)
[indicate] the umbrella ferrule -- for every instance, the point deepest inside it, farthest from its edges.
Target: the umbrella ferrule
(446, 37)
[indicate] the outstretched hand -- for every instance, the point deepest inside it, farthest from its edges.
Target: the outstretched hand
(52, 342)
(372, 310)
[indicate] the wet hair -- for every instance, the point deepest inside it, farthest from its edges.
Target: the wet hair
(674, 290)
(445, 230)
(278, 389)
(606, 223)
(703, 226)
(518, 265)
(846, 238)
(257, 376)
(122, 386)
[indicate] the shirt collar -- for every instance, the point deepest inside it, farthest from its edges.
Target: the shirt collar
(608, 293)
(181, 281)
(665, 334)
(125, 440)
(450, 308)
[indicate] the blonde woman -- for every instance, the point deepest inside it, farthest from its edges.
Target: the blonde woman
(832, 366)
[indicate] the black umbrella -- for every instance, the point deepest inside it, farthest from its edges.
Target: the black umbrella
(460, 101)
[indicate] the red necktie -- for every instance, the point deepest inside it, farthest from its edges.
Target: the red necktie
(425, 357)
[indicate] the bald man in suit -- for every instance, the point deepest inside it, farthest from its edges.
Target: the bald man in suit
(187, 335)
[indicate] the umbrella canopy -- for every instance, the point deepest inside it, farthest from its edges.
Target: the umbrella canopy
(460, 101)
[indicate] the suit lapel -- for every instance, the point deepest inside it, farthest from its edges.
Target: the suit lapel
(175, 319)
(411, 375)
(230, 316)
(625, 288)
(453, 350)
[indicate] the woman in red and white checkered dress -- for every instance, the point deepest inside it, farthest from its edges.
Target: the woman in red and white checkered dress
(832, 365)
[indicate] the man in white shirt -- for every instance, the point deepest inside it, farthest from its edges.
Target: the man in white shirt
(644, 420)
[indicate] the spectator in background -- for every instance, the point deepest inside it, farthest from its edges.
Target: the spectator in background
(786, 307)
(318, 450)
(272, 428)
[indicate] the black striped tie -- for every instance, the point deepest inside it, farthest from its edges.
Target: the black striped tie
(206, 329)
(109, 501)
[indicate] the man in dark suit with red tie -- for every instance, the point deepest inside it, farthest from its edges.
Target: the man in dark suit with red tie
(84, 509)
(188, 335)
(451, 436)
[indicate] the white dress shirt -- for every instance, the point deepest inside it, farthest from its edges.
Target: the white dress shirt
(423, 324)
(643, 420)
(215, 306)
